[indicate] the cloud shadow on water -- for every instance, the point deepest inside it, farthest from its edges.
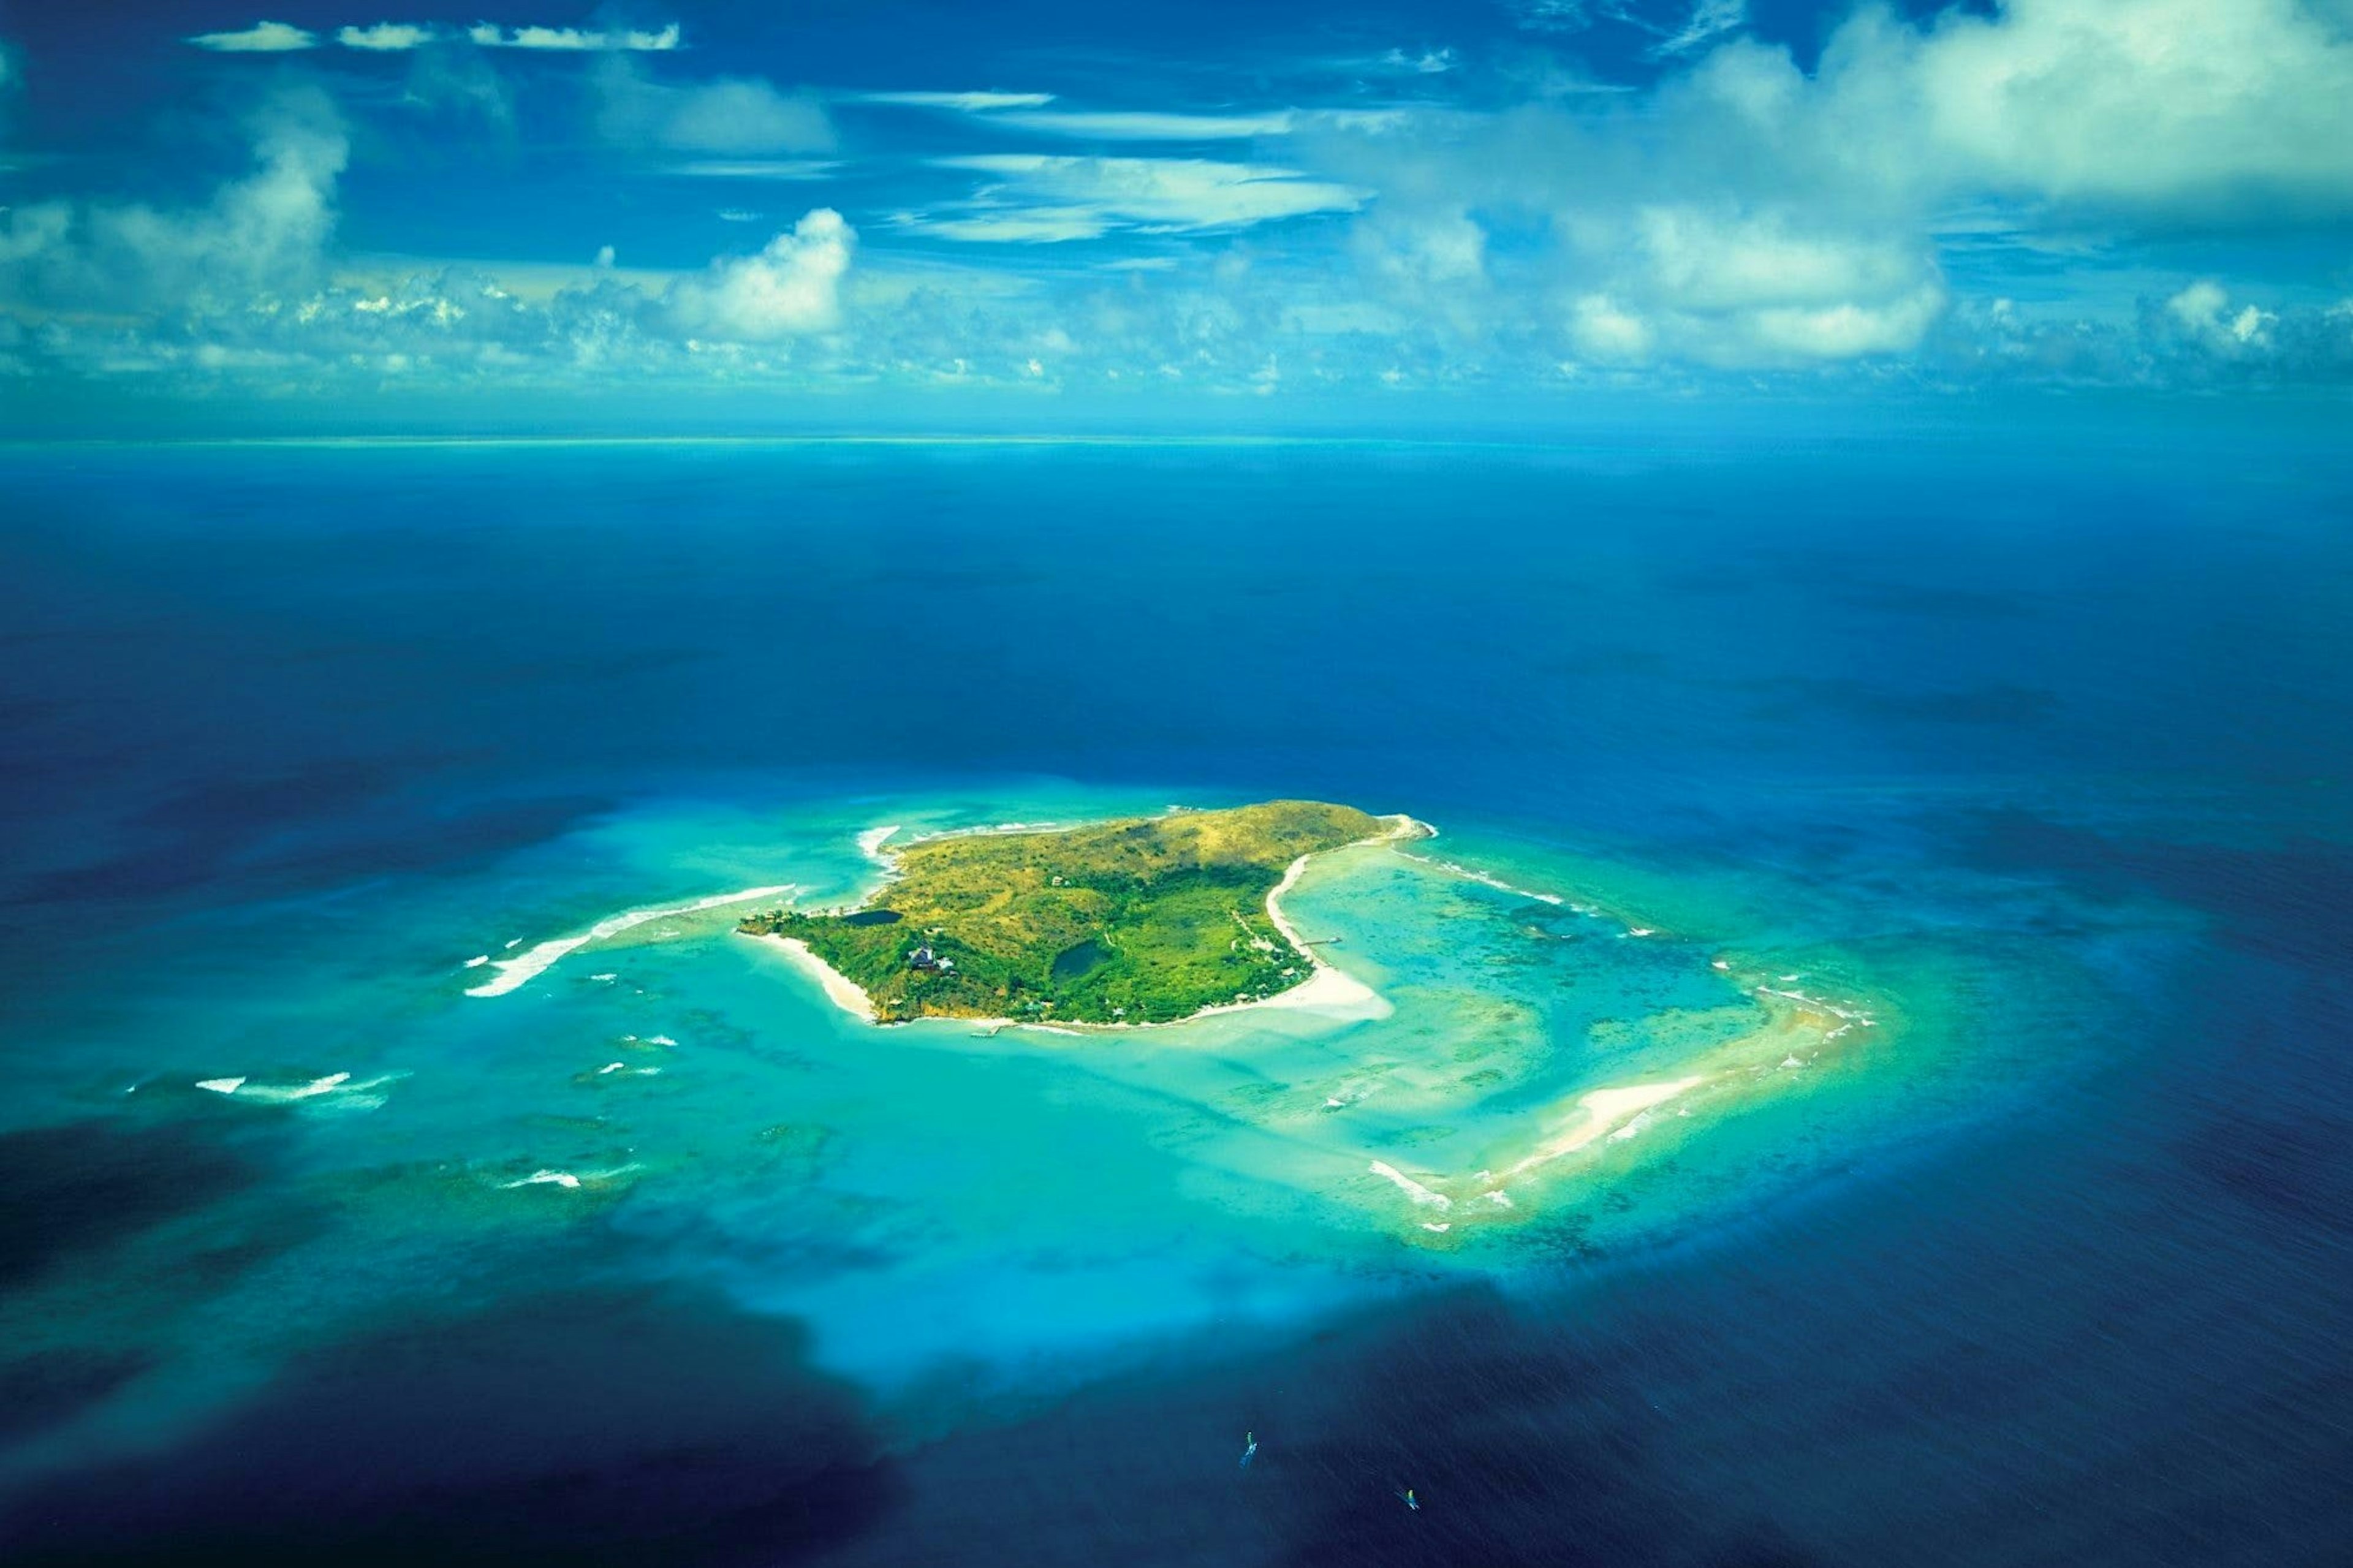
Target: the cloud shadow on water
(601, 1426)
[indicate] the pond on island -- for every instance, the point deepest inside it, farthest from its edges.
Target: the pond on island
(1074, 962)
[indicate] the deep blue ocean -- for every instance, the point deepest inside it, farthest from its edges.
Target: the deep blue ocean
(291, 730)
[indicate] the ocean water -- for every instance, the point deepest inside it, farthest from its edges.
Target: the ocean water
(1935, 857)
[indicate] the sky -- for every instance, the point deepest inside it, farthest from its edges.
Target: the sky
(1047, 206)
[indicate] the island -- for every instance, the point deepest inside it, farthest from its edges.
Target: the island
(1138, 921)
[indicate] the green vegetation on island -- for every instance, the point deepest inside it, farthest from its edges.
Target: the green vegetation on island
(1143, 921)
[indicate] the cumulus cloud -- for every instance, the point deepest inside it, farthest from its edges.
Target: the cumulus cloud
(490, 36)
(386, 36)
(2136, 109)
(394, 37)
(261, 38)
(1748, 214)
(791, 288)
(266, 230)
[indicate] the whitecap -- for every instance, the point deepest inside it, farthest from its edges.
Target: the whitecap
(1441, 1225)
(1500, 1198)
(222, 1085)
(659, 1040)
(479, 960)
(565, 1179)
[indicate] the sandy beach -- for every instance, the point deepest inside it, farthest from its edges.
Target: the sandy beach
(1602, 1111)
(838, 988)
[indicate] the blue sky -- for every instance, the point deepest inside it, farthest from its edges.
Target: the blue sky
(1069, 205)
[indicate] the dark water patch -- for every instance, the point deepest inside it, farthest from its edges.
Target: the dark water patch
(2291, 1162)
(77, 1189)
(2002, 705)
(600, 1427)
(263, 855)
(46, 1386)
(1076, 963)
(2293, 902)
(1523, 1444)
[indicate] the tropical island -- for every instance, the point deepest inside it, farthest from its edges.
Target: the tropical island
(1139, 920)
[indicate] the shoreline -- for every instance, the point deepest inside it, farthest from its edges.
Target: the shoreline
(1327, 990)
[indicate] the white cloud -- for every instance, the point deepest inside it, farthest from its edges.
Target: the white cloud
(964, 102)
(1553, 15)
(1076, 198)
(757, 168)
(1029, 226)
(731, 117)
(2170, 109)
(1605, 330)
(266, 230)
(1144, 126)
(1428, 62)
(490, 35)
(1709, 20)
(261, 38)
(2203, 313)
(791, 288)
(744, 115)
(387, 36)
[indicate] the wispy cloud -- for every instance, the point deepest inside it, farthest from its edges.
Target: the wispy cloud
(1133, 125)
(261, 38)
(1553, 15)
(1428, 62)
(1709, 19)
(1035, 198)
(728, 117)
(757, 168)
(964, 102)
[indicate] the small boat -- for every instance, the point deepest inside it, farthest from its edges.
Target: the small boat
(1408, 1496)
(1250, 1451)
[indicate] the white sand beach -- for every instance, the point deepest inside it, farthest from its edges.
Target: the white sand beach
(1602, 1112)
(838, 988)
